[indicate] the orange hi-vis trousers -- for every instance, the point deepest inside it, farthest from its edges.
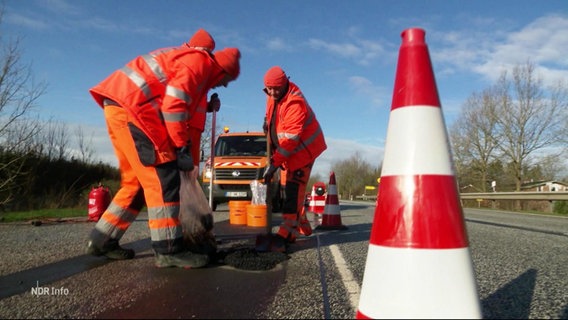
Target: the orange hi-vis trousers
(294, 221)
(156, 186)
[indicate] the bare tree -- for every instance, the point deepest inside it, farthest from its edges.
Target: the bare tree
(529, 120)
(547, 168)
(55, 140)
(474, 137)
(85, 147)
(352, 174)
(18, 96)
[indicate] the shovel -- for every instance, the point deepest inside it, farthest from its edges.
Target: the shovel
(264, 241)
(212, 158)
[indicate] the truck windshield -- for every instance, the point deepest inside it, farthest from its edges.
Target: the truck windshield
(241, 146)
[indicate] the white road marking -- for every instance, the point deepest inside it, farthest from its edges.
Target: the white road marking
(349, 281)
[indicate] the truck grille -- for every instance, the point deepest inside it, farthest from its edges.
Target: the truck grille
(238, 174)
(234, 187)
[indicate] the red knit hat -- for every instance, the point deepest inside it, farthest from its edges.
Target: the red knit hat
(275, 77)
(228, 59)
(202, 39)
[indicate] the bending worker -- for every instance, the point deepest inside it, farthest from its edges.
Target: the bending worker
(297, 140)
(146, 106)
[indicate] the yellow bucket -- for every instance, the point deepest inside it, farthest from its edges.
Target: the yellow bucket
(256, 215)
(238, 212)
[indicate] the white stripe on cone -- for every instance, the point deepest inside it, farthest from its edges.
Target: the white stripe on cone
(422, 278)
(332, 205)
(422, 132)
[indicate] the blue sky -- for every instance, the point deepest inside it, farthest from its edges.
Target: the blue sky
(342, 54)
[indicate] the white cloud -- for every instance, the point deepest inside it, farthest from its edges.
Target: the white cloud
(489, 51)
(543, 42)
(28, 22)
(377, 95)
(341, 149)
(362, 52)
(277, 44)
(340, 49)
(60, 6)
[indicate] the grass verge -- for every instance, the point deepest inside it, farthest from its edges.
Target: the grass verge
(41, 214)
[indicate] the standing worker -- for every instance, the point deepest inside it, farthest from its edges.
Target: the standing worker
(297, 140)
(146, 105)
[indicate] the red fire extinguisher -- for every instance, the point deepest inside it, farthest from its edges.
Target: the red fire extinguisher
(99, 200)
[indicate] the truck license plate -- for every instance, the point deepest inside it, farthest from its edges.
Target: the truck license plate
(235, 194)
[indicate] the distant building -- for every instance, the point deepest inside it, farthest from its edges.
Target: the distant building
(544, 186)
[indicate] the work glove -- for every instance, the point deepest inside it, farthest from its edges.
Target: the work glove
(268, 173)
(265, 126)
(214, 103)
(184, 158)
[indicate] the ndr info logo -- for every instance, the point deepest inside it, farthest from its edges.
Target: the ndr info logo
(49, 291)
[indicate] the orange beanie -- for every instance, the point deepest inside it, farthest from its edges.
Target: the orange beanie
(228, 59)
(275, 77)
(202, 39)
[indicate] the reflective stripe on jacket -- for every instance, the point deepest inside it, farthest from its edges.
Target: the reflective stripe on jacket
(160, 90)
(300, 138)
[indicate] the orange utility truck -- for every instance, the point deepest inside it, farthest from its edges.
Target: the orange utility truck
(240, 158)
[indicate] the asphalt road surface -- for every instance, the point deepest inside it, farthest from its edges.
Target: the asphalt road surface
(520, 262)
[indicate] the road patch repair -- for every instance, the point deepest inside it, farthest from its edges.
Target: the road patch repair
(246, 257)
(225, 241)
(234, 246)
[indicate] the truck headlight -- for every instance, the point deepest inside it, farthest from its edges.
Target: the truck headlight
(208, 174)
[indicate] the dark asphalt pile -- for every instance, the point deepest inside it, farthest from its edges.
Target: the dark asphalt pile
(250, 259)
(238, 254)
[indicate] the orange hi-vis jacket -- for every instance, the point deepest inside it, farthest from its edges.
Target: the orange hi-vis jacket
(160, 91)
(300, 139)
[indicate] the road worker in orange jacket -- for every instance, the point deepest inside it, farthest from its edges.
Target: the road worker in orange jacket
(201, 40)
(297, 140)
(147, 104)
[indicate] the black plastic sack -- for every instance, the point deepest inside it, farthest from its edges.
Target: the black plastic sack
(196, 216)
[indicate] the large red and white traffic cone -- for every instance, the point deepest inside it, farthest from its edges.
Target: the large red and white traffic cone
(331, 219)
(418, 263)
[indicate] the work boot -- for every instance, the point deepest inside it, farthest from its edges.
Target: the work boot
(278, 243)
(184, 259)
(115, 252)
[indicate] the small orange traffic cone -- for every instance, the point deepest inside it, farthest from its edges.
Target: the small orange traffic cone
(331, 219)
(418, 263)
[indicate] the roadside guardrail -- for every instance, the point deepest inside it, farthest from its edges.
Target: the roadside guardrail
(549, 196)
(521, 195)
